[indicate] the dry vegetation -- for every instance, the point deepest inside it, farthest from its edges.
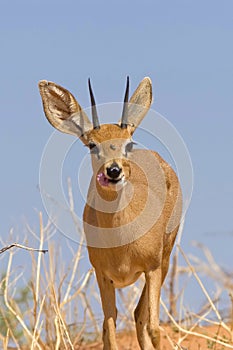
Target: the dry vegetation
(58, 307)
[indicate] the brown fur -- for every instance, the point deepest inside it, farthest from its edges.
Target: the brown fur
(142, 196)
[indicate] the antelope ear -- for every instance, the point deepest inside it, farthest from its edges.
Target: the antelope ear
(62, 110)
(139, 103)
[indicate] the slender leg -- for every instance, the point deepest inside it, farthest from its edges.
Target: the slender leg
(141, 316)
(108, 299)
(153, 280)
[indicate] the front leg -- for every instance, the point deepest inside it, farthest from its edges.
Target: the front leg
(108, 299)
(154, 281)
(141, 315)
(147, 312)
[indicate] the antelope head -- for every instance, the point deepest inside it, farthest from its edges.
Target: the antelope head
(110, 144)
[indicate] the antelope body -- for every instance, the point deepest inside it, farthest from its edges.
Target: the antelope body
(133, 207)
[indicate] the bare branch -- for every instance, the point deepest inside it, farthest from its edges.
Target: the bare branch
(2, 250)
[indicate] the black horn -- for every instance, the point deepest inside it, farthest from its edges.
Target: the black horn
(95, 119)
(124, 118)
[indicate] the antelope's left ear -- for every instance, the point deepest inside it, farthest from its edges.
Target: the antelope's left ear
(139, 103)
(62, 110)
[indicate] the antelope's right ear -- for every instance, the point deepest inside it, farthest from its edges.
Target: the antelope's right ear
(62, 110)
(140, 103)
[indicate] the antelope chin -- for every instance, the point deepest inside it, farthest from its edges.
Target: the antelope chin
(103, 180)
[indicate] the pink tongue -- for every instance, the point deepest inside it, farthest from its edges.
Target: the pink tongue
(102, 179)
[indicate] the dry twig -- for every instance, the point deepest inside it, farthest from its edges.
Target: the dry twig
(2, 250)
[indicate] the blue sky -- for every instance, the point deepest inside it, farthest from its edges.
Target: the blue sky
(184, 46)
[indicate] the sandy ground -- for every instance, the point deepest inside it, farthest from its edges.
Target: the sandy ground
(170, 337)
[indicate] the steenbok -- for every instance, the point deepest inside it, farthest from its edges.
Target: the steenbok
(133, 208)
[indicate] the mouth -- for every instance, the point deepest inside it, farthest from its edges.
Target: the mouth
(105, 181)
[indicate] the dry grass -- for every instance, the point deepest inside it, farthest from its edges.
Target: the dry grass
(59, 308)
(42, 319)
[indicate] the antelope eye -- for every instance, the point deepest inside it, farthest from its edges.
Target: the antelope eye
(91, 145)
(129, 147)
(93, 148)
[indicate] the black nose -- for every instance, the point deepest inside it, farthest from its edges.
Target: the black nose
(114, 171)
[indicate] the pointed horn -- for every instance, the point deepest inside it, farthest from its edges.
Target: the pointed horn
(95, 119)
(124, 118)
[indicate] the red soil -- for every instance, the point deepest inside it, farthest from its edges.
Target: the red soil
(170, 337)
